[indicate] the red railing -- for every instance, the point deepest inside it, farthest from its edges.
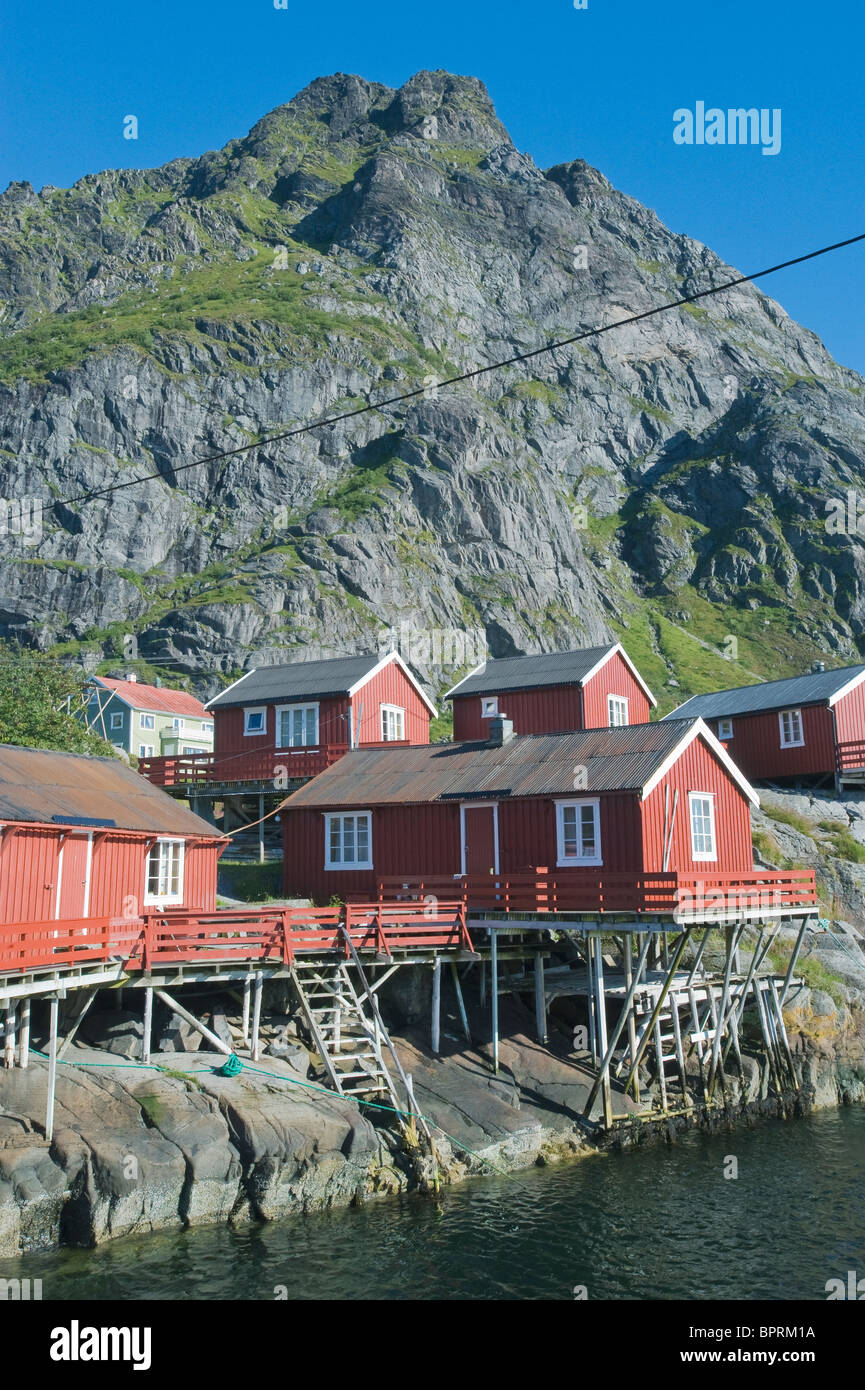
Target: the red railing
(587, 890)
(248, 935)
(263, 765)
(850, 756)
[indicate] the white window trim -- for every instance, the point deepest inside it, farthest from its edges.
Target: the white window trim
(297, 704)
(725, 728)
(254, 709)
(563, 862)
(151, 900)
(702, 855)
(493, 701)
(146, 750)
(622, 700)
(341, 867)
(116, 719)
(793, 742)
(478, 806)
(391, 709)
(147, 721)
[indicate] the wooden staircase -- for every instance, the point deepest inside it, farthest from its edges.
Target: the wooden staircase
(349, 1040)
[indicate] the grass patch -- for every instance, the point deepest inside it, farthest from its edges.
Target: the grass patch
(796, 822)
(252, 883)
(843, 844)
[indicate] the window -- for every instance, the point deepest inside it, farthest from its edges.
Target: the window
(489, 706)
(255, 720)
(790, 721)
(190, 750)
(145, 750)
(702, 806)
(164, 878)
(207, 728)
(178, 724)
(392, 723)
(147, 721)
(348, 841)
(297, 726)
(617, 709)
(578, 826)
(117, 721)
(725, 728)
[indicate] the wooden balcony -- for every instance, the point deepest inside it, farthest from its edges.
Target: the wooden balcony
(588, 892)
(850, 758)
(281, 767)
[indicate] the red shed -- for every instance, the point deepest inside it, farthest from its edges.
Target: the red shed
(810, 726)
(88, 837)
(627, 800)
(595, 688)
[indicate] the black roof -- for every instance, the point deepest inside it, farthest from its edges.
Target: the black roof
(619, 759)
(297, 680)
(527, 672)
(816, 688)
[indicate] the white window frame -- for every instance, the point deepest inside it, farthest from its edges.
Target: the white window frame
(384, 712)
(564, 861)
(164, 900)
(725, 728)
(791, 742)
(342, 865)
(489, 706)
(297, 705)
(254, 709)
(698, 855)
(206, 728)
(146, 750)
(116, 719)
(617, 700)
(177, 724)
(147, 721)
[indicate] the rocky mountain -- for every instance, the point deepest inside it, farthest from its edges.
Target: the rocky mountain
(668, 482)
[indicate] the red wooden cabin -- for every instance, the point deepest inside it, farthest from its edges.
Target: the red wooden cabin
(661, 800)
(293, 721)
(87, 837)
(553, 692)
(810, 726)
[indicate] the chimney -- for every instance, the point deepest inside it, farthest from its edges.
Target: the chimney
(501, 731)
(817, 667)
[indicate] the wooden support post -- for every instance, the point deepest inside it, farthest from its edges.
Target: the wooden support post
(627, 951)
(494, 994)
(698, 957)
(435, 1021)
(24, 1036)
(256, 1016)
(775, 997)
(461, 1004)
(767, 1036)
(793, 959)
(193, 1021)
(627, 1014)
(244, 1022)
(540, 1000)
(74, 1029)
(662, 1071)
(671, 974)
(680, 1055)
(9, 1039)
(698, 1041)
(148, 1025)
(52, 1070)
(602, 1032)
(732, 941)
(261, 827)
(483, 983)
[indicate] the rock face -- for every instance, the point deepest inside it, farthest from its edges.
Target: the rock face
(668, 478)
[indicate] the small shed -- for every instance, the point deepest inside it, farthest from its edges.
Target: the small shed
(87, 837)
(553, 692)
(638, 798)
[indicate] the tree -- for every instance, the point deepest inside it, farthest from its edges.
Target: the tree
(38, 697)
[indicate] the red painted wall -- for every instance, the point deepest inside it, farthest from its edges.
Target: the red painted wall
(390, 687)
(556, 709)
(698, 770)
(850, 716)
(756, 744)
(229, 738)
(28, 874)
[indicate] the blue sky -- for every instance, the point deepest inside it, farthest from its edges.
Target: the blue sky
(600, 83)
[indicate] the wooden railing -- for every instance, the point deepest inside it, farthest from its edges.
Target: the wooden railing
(587, 890)
(249, 935)
(850, 756)
(280, 765)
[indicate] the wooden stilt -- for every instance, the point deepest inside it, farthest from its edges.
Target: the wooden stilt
(602, 1032)
(483, 984)
(9, 1038)
(52, 1070)
(627, 957)
(24, 1036)
(698, 1039)
(767, 1037)
(494, 994)
(677, 1037)
(722, 1012)
(775, 998)
(461, 1004)
(261, 827)
(540, 1000)
(793, 959)
(626, 1015)
(79, 1019)
(435, 1022)
(256, 1017)
(193, 1021)
(244, 1022)
(671, 974)
(148, 1026)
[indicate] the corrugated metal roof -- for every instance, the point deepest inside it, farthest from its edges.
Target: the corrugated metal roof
(298, 680)
(154, 697)
(534, 765)
(812, 689)
(527, 672)
(39, 784)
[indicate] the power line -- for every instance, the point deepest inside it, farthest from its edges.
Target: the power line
(464, 376)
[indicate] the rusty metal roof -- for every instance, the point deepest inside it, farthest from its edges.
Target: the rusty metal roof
(40, 784)
(621, 759)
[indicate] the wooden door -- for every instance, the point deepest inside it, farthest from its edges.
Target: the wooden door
(74, 895)
(480, 840)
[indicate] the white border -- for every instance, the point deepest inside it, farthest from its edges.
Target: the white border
(254, 709)
(410, 677)
(345, 868)
(392, 709)
(297, 704)
(701, 856)
(611, 695)
(149, 901)
(793, 742)
(562, 860)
